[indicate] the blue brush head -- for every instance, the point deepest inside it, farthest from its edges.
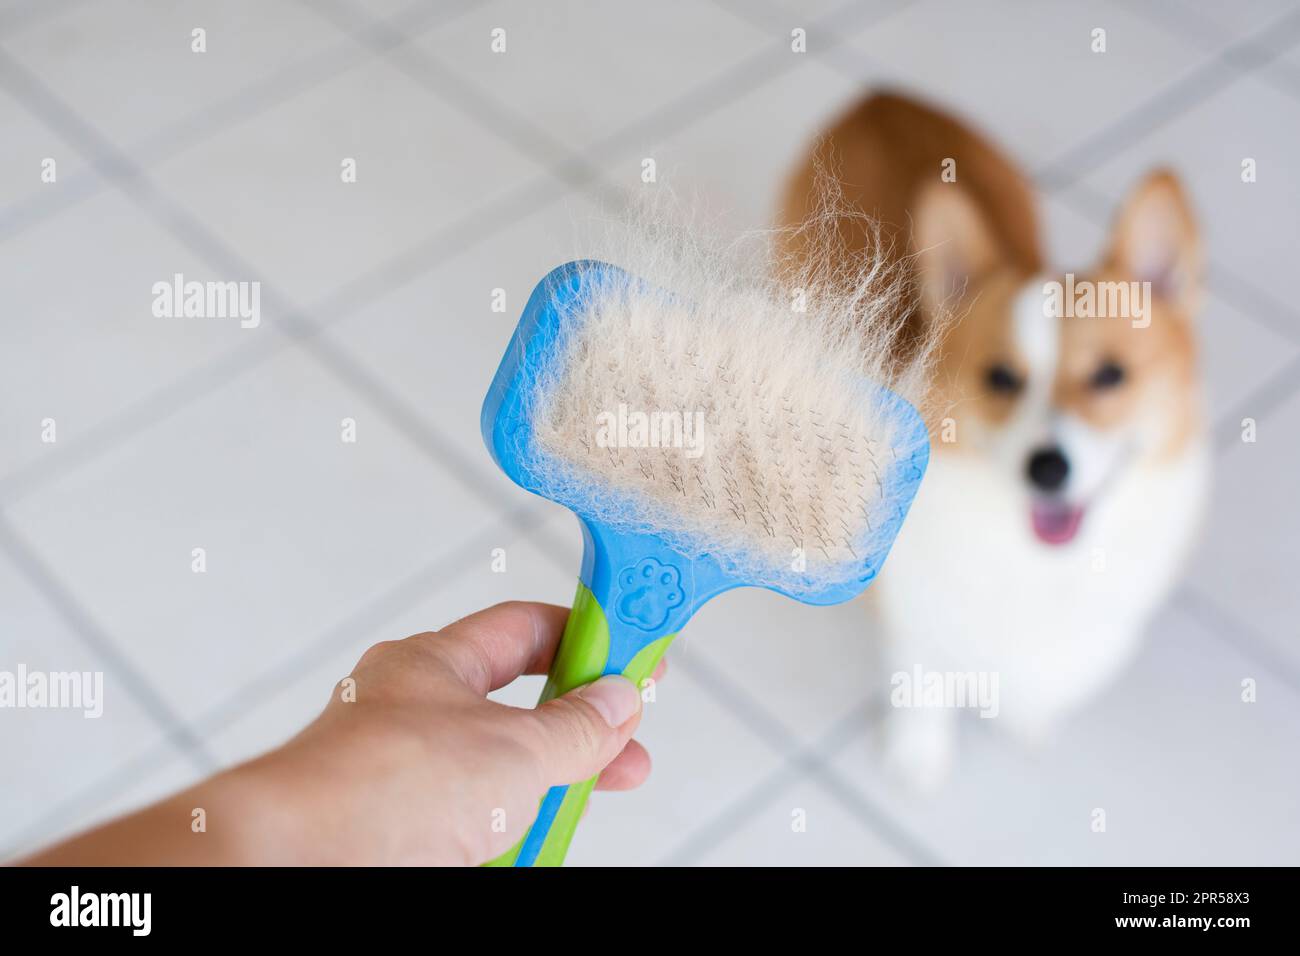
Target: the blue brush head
(645, 526)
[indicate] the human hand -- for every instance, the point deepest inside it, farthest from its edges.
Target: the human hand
(413, 766)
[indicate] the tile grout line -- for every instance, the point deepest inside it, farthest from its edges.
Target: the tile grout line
(735, 697)
(750, 803)
(142, 414)
(1217, 619)
(79, 620)
(113, 784)
(244, 104)
(812, 762)
(786, 743)
(731, 817)
(1174, 100)
(479, 107)
(1250, 44)
(448, 566)
(1271, 73)
(1274, 392)
(751, 73)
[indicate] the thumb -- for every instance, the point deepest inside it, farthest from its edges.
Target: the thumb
(581, 732)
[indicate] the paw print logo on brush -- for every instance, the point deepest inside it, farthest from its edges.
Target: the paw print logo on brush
(647, 592)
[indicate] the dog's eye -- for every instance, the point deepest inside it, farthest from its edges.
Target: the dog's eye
(1002, 379)
(1108, 375)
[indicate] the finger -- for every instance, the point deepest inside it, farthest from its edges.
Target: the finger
(628, 771)
(492, 647)
(576, 736)
(660, 671)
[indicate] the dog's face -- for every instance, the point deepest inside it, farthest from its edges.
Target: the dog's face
(1063, 382)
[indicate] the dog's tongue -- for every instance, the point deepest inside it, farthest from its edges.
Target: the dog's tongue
(1055, 522)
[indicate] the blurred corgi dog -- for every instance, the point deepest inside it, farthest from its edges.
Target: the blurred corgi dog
(1069, 464)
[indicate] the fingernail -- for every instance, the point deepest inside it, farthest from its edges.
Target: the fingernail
(615, 697)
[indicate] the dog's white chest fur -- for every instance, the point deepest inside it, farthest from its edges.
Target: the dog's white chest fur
(968, 587)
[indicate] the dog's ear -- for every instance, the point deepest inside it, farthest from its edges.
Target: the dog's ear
(953, 242)
(1155, 240)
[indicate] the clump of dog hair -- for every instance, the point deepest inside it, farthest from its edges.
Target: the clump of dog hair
(726, 396)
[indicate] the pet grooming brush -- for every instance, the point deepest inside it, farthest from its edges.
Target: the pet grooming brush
(706, 438)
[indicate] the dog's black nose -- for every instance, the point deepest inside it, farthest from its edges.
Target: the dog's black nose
(1048, 469)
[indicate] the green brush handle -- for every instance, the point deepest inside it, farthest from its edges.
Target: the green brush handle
(582, 657)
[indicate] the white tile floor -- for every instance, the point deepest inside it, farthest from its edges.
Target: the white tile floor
(476, 172)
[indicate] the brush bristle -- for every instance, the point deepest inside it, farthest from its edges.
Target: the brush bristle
(728, 403)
